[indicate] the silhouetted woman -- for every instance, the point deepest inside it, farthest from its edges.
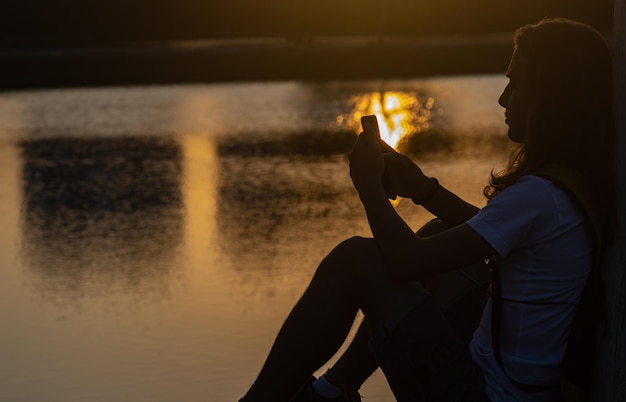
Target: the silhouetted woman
(437, 345)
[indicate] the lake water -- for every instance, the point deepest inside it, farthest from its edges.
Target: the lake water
(154, 238)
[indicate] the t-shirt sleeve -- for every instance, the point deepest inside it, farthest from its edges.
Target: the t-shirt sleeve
(509, 219)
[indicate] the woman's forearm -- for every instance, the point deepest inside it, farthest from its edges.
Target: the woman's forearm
(397, 242)
(448, 207)
(409, 257)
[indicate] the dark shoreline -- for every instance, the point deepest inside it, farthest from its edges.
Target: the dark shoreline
(271, 59)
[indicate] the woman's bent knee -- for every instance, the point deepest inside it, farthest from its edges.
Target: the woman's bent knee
(351, 254)
(352, 263)
(356, 268)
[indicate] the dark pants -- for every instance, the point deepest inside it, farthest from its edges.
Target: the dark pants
(424, 352)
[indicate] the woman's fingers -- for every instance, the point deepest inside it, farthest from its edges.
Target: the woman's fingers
(386, 148)
(360, 141)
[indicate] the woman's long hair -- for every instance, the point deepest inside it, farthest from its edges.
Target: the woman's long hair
(570, 122)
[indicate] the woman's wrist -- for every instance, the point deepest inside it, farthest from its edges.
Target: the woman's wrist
(371, 190)
(427, 196)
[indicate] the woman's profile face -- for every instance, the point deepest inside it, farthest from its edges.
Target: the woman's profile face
(515, 98)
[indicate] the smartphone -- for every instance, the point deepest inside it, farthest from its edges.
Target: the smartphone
(372, 121)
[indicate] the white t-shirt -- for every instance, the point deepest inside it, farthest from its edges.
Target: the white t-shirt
(545, 254)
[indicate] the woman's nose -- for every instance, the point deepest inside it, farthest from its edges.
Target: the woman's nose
(503, 99)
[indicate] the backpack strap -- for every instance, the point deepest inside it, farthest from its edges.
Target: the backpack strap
(496, 325)
(578, 361)
(579, 355)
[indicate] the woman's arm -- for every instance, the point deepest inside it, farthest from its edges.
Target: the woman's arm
(406, 179)
(408, 256)
(449, 207)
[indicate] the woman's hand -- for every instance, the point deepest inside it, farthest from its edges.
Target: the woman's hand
(405, 178)
(374, 165)
(367, 163)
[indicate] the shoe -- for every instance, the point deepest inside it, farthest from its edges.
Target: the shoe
(308, 394)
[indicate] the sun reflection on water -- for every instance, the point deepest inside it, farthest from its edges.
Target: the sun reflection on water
(399, 113)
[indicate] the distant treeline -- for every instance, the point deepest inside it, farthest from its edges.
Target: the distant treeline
(36, 23)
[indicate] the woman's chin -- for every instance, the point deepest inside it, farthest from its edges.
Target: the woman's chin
(516, 137)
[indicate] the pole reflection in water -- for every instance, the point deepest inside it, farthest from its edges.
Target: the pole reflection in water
(155, 238)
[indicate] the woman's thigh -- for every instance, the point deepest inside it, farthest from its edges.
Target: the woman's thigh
(356, 268)
(424, 354)
(461, 296)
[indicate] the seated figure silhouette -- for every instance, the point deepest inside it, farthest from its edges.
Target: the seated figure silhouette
(428, 311)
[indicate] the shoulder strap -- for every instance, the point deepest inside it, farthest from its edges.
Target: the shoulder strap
(579, 355)
(496, 324)
(578, 362)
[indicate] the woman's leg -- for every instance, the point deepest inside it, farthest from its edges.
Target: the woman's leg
(350, 278)
(461, 298)
(358, 362)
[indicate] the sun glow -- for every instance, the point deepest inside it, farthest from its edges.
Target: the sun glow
(398, 113)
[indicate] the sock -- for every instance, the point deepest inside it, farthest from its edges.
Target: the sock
(325, 389)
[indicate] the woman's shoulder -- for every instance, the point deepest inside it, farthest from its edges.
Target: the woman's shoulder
(534, 181)
(535, 197)
(539, 194)
(531, 189)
